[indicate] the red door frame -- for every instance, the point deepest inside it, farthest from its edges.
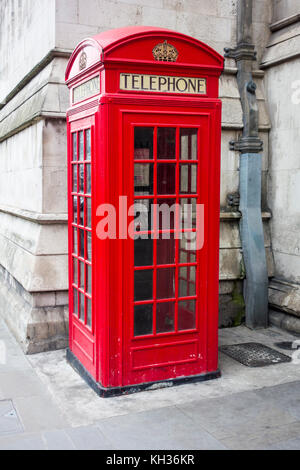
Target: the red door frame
(110, 359)
(110, 318)
(188, 347)
(82, 336)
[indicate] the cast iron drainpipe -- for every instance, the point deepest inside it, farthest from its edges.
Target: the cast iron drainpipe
(250, 147)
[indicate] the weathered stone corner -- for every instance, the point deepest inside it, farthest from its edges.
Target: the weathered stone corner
(37, 329)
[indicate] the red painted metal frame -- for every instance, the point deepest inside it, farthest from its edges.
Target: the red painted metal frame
(82, 336)
(109, 352)
(194, 361)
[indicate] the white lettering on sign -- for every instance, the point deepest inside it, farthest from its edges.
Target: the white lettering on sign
(86, 89)
(162, 83)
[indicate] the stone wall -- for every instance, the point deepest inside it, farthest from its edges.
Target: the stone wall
(40, 36)
(282, 83)
(27, 34)
(284, 9)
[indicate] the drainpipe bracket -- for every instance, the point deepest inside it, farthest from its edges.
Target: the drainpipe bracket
(233, 201)
(243, 51)
(246, 145)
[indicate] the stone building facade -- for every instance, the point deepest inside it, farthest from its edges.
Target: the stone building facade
(36, 40)
(281, 65)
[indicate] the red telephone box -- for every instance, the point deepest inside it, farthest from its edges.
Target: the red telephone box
(144, 132)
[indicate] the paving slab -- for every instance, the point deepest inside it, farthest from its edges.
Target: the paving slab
(9, 419)
(292, 444)
(263, 440)
(161, 429)
(285, 396)
(20, 384)
(89, 438)
(58, 440)
(233, 415)
(38, 413)
(11, 355)
(23, 442)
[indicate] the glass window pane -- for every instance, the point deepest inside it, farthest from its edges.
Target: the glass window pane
(166, 143)
(143, 143)
(188, 212)
(81, 206)
(75, 241)
(88, 178)
(188, 179)
(165, 314)
(143, 179)
(186, 254)
(88, 278)
(193, 257)
(81, 179)
(166, 212)
(74, 189)
(75, 209)
(165, 287)
(89, 212)
(186, 315)
(75, 146)
(192, 280)
(188, 144)
(75, 271)
(88, 144)
(166, 249)
(88, 274)
(143, 285)
(166, 178)
(89, 246)
(143, 315)
(75, 301)
(89, 312)
(81, 280)
(81, 243)
(81, 300)
(143, 210)
(81, 154)
(143, 252)
(187, 281)
(183, 256)
(183, 288)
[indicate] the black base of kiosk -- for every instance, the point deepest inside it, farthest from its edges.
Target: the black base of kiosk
(117, 391)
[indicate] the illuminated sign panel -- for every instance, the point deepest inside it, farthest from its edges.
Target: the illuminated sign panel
(162, 84)
(86, 89)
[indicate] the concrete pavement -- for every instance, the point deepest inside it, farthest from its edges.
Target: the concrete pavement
(44, 404)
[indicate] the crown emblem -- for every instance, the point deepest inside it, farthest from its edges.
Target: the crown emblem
(165, 52)
(82, 61)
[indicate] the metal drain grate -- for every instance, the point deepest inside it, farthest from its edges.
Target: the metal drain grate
(254, 354)
(9, 421)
